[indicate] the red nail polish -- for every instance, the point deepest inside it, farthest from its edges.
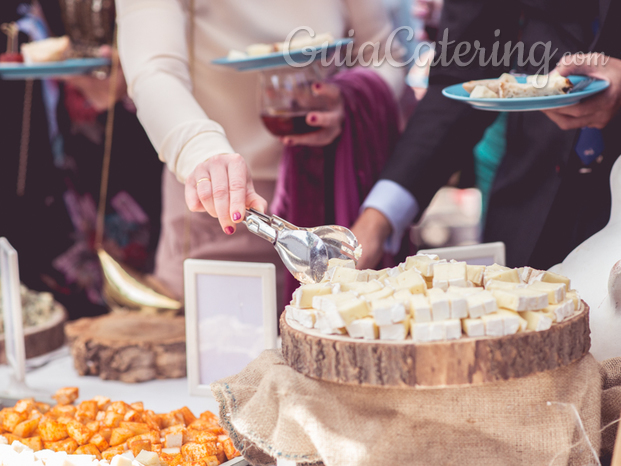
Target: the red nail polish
(313, 119)
(236, 216)
(317, 86)
(229, 230)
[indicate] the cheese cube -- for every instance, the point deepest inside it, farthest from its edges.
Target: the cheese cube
(303, 296)
(453, 329)
(494, 325)
(440, 304)
(551, 277)
(536, 320)
(481, 303)
(556, 291)
(561, 311)
(512, 321)
(394, 331)
(394, 271)
(521, 299)
(423, 263)
(305, 317)
(459, 305)
(473, 327)
(362, 288)
(348, 311)
(342, 275)
(573, 295)
(326, 326)
(410, 280)
(403, 295)
(437, 331)
(500, 273)
(148, 458)
(449, 274)
(420, 332)
(475, 274)
(347, 263)
(255, 50)
(120, 460)
(498, 285)
(528, 274)
(330, 301)
(464, 290)
(363, 328)
(384, 293)
(388, 311)
(420, 309)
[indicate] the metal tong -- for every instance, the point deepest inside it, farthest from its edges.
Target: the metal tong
(304, 251)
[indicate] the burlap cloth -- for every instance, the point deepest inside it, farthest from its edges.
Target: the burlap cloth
(272, 411)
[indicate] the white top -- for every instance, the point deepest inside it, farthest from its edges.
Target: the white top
(188, 126)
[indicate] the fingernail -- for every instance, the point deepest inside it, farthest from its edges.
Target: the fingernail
(287, 142)
(229, 230)
(317, 86)
(236, 216)
(313, 119)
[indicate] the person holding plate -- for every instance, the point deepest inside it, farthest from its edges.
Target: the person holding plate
(551, 191)
(203, 119)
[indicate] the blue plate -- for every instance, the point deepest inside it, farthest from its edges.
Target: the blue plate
(51, 69)
(528, 104)
(278, 59)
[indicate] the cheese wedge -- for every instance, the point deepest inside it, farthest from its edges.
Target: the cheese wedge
(363, 328)
(473, 327)
(395, 331)
(453, 329)
(528, 274)
(305, 317)
(459, 305)
(480, 304)
(556, 291)
(573, 295)
(521, 299)
(347, 263)
(402, 295)
(537, 321)
(475, 274)
(464, 290)
(440, 304)
(483, 92)
(255, 50)
(410, 280)
(303, 296)
(498, 285)
(420, 308)
(342, 308)
(324, 325)
(421, 331)
(388, 311)
(551, 277)
(560, 311)
(449, 274)
(500, 273)
(362, 288)
(512, 321)
(494, 325)
(423, 263)
(342, 275)
(437, 331)
(384, 293)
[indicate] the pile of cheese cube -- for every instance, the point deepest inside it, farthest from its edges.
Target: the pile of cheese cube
(428, 299)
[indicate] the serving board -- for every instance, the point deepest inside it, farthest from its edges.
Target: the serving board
(128, 347)
(44, 338)
(467, 361)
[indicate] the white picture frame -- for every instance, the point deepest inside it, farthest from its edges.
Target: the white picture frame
(229, 305)
(475, 254)
(12, 311)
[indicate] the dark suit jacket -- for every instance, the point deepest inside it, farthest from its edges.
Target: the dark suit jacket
(540, 205)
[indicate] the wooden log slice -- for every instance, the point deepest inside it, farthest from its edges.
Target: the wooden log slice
(467, 361)
(128, 347)
(44, 338)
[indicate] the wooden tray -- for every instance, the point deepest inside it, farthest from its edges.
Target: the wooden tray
(44, 338)
(467, 361)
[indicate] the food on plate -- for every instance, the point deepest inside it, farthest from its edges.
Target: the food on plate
(47, 50)
(11, 57)
(37, 308)
(427, 299)
(256, 50)
(507, 87)
(101, 432)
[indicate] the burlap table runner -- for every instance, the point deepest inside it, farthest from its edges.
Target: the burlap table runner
(272, 411)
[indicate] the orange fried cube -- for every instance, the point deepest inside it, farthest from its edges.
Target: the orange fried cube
(11, 438)
(171, 460)
(112, 419)
(52, 431)
(136, 446)
(193, 463)
(112, 452)
(79, 432)
(35, 443)
(136, 427)
(211, 461)
(12, 418)
(133, 416)
(188, 416)
(102, 401)
(195, 451)
(24, 406)
(68, 445)
(200, 436)
(137, 406)
(42, 407)
(93, 426)
(26, 428)
(209, 416)
(171, 419)
(64, 419)
(120, 435)
(229, 449)
(119, 407)
(87, 411)
(66, 396)
(207, 427)
(99, 441)
(63, 411)
(88, 449)
(157, 448)
(152, 419)
(35, 414)
(220, 453)
(153, 436)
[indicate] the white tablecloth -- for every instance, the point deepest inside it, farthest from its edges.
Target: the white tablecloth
(158, 395)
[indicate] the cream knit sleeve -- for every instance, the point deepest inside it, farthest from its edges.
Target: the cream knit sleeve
(154, 55)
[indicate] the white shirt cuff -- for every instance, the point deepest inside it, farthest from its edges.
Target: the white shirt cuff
(398, 206)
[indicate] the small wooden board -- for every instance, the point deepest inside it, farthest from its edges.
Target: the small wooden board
(44, 338)
(467, 361)
(128, 347)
